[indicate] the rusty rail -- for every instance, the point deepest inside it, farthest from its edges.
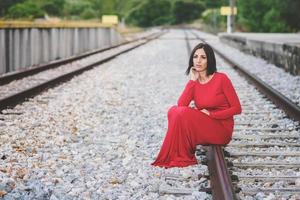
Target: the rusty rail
(221, 184)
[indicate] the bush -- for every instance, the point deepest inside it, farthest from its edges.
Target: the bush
(186, 11)
(269, 15)
(151, 13)
(269, 19)
(88, 13)
(54, 7)
(6, 4)
(215, 21)
(75, 8)
(26, 10)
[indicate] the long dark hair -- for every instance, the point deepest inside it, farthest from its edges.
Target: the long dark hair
(211, 60)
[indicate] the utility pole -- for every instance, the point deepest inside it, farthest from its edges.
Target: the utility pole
(230, 21)
(229, 11)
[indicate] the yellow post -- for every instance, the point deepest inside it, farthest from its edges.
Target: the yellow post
(226, 10)
(110, 19)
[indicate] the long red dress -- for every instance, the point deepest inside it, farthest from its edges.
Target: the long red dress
(188, 127)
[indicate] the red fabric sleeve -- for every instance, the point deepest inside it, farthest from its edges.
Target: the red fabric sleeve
(233, 100)
(187, 94)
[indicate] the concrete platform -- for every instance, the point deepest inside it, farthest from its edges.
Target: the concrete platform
(281, 49)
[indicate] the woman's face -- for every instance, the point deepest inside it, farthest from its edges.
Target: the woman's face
(200, 60)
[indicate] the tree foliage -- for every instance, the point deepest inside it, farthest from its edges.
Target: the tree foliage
(151, 13)
(6, 4)
(288, 11)
(214, 3)
(27, 9)
(186, 11)
(252, 18)
(73, 9)
(253, 15)
(258, 15)
(158, 12)
(54, 7)
(269, 15)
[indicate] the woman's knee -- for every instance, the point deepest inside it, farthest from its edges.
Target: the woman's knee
(178, 111)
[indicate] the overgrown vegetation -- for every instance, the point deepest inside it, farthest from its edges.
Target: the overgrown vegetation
(253, 15)
(269, 15)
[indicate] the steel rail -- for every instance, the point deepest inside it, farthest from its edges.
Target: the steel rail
(6, 78)
(19, 97)
(221, 184)
(188, 46)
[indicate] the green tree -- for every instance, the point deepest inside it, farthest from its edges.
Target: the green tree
(97, 7)
(269, 15)
(251, 14)
(73, 9)
(108, 7)
(186, 11)
(6, 4)
(151, 13)
(214, 3)
(53, 7)
(288, 11)
(215, 21)
(269, 18)
(88, 13)
(27, 9)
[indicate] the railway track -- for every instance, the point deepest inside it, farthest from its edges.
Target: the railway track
(263, 157)
(19, 86)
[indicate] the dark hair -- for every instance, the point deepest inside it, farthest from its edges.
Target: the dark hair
(211, 60)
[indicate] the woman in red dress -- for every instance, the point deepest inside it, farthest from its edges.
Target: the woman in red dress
(211, 122)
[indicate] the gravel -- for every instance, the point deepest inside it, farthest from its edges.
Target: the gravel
(95, 136)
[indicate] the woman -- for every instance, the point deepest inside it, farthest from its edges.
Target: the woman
(211, 122)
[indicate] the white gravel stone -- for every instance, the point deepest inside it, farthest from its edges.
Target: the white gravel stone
(297, 182)
(96, 135)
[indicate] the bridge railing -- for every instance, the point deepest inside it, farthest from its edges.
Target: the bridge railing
(25, 44)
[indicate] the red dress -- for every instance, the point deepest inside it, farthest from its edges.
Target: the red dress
(188, 127)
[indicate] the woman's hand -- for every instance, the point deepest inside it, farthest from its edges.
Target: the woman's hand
(194, 74)
(205, 111)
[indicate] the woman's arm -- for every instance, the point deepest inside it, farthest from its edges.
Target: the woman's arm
(187, 94)
(233, 100)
